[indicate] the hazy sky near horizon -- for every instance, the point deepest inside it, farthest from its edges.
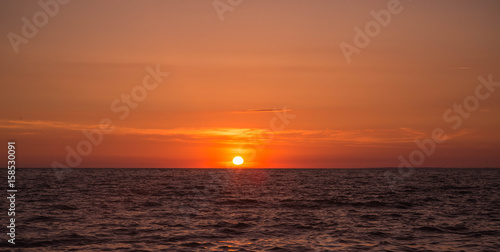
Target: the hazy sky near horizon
(226, 76)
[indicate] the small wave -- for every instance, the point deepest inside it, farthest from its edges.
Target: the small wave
(152, 204)
(485, 233)
(459, 227)
(231, 231)
(372, 203)
(179, 238)
(125, 231)
(241, 225)
(429, 229)
(191, 244)
(403, 205)
(453, 187)
(277, 249)
(430, 199)
(241, 201)
(369, 217)
(65, 207)
(40, 219)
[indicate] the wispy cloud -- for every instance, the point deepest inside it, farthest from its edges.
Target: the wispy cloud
(365, 137)
(40, 125)
(261, 110)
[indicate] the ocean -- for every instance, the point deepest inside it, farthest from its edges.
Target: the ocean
(255, 210)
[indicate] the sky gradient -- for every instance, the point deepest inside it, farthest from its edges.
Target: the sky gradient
(226, 77)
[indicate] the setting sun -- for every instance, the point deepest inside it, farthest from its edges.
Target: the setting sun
(238, 160)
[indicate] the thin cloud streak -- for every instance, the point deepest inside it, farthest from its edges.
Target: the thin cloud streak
(363, 137)
(262, 110)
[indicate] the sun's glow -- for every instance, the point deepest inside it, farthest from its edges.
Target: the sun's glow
(237, 160)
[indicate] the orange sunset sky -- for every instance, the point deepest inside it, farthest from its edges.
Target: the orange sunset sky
(226, 77)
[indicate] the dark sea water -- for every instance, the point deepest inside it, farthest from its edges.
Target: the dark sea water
(255, 210)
